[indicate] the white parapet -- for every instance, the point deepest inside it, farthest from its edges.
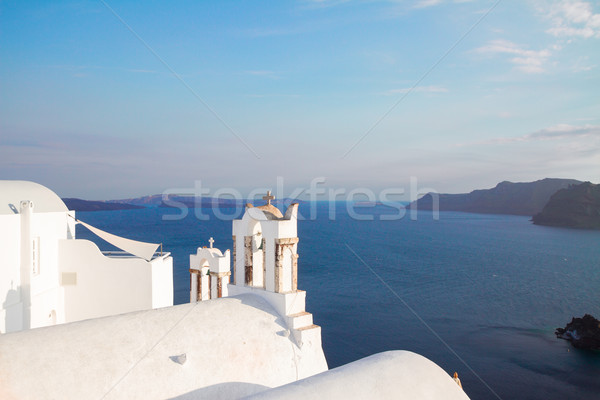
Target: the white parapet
(285, 303)
(162, 281)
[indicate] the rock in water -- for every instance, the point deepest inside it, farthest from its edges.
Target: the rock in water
(584, 333)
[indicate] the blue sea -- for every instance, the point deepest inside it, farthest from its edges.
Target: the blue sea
(477, 294)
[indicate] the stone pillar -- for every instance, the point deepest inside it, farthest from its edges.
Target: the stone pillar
(248, 260)
(234, 260)
(218, 290)
(295, 273)
(195, 277)
(264, 254)
(199, 286)
(278, 267)
(280, 246)
(219, 287)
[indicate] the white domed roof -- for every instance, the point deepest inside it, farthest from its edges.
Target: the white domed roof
(224, 348)
(398, 375)
(44, 199)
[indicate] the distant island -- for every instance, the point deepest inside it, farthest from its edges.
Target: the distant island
(175, 201)
(553, 202)
(151, 200)
(524, 198)
(200, 202)
(577, 206)
(157, 200)
(91, 205)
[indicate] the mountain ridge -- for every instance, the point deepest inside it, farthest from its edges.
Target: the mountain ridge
(157, 200)
(96, 205)
(520, 198)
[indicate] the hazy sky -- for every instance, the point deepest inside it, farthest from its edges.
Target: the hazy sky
(116, 99)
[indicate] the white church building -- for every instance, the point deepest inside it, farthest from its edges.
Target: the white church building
(49, 277)
(244, 334)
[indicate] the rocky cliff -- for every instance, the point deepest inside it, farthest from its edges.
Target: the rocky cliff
(575, 207)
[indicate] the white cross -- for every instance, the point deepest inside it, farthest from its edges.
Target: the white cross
(211, 241)
(268, 197)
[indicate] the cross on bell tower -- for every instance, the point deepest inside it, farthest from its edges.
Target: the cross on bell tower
(268, 197)
(211, 241)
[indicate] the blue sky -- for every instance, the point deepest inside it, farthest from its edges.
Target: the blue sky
(112, 99)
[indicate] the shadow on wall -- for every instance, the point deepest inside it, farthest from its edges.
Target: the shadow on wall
(228, 390)
(263, 305)
(12, 310)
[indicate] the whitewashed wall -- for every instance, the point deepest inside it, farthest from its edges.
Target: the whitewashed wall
(37, 244)
(162, 281)
(105, 286)
(10, 233)
(46, 229)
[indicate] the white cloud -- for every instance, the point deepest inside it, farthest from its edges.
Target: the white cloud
(582, 65)
(556, 132)
(569, 19)
(529, 61)
(564, 131)
(572, 18)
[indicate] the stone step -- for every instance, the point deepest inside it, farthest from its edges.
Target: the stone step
(310, 334)
(299, 320)
(312, 326)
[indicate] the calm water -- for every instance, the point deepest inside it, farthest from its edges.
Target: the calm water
(486, 291)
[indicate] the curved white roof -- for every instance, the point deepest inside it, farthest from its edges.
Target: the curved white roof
(397, 375)
(220, 349)
(13, 192)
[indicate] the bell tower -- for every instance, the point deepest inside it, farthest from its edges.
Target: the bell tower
(265, 246)
(209, 273)
(265, 263)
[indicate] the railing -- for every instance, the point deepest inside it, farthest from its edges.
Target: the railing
(124, 254)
